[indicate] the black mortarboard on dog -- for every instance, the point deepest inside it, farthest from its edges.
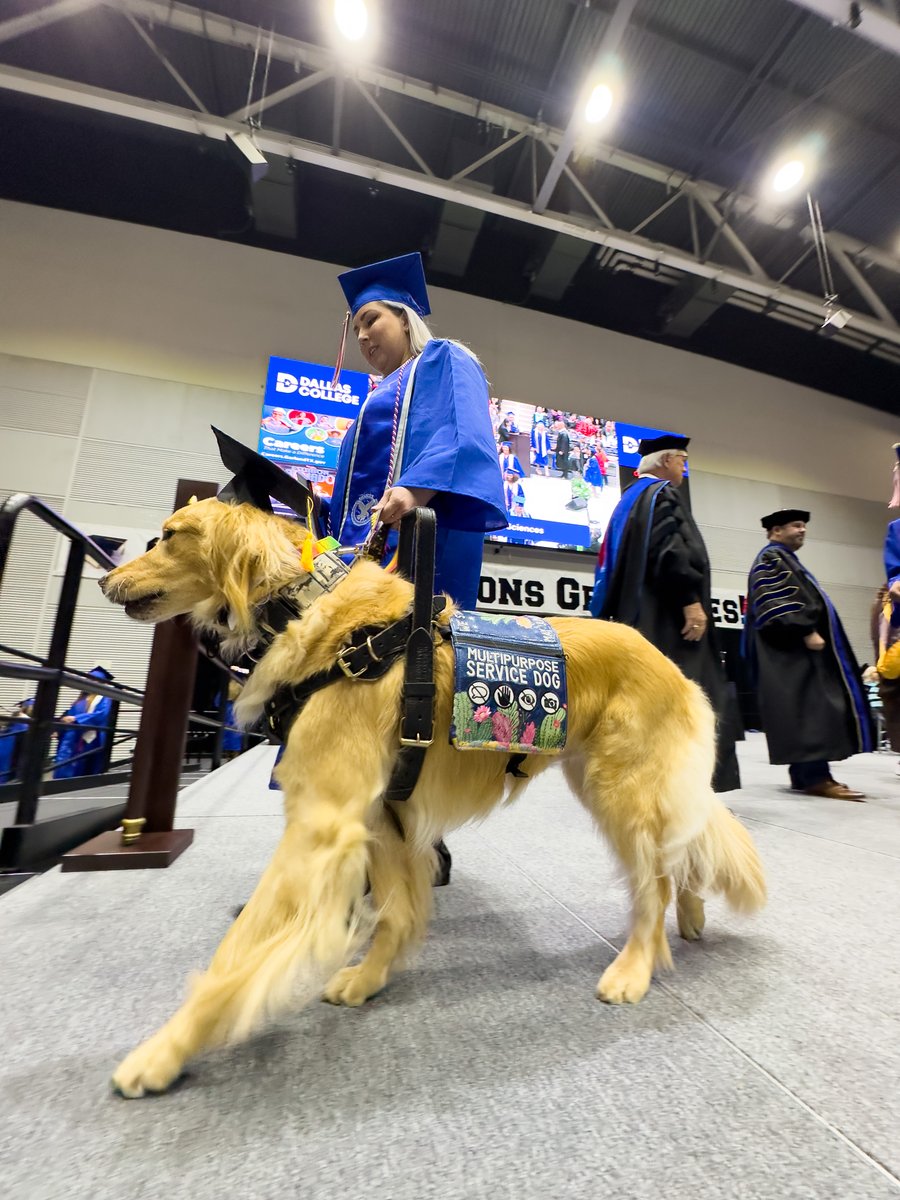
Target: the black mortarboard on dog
(665, 441)
(256, 479)
(784, 516)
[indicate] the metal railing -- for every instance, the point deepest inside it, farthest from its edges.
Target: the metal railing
(50, 673)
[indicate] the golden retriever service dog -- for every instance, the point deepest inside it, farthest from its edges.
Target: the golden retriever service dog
(639, 757)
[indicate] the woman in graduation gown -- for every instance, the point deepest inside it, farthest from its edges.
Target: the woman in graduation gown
(423, 436)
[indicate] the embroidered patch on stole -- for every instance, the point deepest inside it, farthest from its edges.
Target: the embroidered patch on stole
(510, 684)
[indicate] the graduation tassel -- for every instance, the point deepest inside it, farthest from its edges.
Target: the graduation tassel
(340, 356)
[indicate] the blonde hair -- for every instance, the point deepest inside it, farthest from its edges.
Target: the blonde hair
(420, 334)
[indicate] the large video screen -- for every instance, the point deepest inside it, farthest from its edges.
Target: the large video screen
(563, 472)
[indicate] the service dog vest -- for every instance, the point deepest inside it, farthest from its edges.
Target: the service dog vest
(509, 684)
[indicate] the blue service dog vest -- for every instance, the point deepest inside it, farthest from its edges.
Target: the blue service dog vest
(510, 684)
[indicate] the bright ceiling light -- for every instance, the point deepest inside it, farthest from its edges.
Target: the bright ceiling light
(352, 19)
(789, 176)
(793, 171)
(599, 104)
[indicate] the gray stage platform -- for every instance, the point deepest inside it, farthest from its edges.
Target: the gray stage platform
(767, 1066)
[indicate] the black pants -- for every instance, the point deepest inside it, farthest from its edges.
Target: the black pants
(808, 774)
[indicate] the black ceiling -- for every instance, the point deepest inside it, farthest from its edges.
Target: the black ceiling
(714, 89)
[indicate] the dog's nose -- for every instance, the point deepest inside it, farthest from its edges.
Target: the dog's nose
(102, 582)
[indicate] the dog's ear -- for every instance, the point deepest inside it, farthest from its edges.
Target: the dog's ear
(249, 556)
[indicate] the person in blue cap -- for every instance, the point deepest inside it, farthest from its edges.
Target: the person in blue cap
(423, 436)
(85, 719)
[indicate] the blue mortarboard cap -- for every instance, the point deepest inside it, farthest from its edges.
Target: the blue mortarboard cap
(393, 281)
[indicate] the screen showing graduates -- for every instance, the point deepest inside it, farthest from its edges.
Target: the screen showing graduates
(563, 472)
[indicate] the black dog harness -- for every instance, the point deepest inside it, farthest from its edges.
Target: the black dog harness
(373, 650)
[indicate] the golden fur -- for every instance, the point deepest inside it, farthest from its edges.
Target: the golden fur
(639, 756)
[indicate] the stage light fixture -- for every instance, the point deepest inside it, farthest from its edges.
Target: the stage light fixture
(351, 17)
(835, 319)
(248, 155)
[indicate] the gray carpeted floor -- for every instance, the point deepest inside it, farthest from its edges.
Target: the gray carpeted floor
(767, 1066)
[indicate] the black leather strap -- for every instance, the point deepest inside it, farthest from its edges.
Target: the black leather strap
(369, 655)
(417, 722)
(372, 651)
(415, 559)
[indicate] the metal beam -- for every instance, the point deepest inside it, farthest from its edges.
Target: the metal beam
(485, 158)
(862, 285)
(337, 113)
(173, 71)
(588, 198)
(609, 44)
(29, 22)
(727, 232)
(658, 211)
(285, 93)
(192, 21)
(202, 124)
(401, 137)
(874, 25)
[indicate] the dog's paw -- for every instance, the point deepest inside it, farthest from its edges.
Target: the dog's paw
(152, 1068)
(622, 984)
(353, 986)
(691, 916)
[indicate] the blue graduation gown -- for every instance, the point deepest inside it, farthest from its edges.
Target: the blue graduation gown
(232, 739)
(72, 740)
(445, 444)
(892, 563)
(10, 736)
(515, 498)
(540, 444)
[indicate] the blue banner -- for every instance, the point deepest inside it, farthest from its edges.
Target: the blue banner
(554, 533)
(304, 418)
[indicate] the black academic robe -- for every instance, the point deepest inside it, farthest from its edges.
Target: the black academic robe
(812, 702)
(660, 567)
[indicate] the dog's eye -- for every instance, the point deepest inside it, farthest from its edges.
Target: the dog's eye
(167, 533)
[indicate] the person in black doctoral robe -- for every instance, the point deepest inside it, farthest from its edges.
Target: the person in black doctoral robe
(811, 696)
(653, 573)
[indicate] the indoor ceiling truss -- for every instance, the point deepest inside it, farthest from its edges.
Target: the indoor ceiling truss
(736, 278)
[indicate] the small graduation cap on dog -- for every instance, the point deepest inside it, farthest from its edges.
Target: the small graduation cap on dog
(256, 479)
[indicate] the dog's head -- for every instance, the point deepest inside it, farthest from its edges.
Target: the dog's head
(215, 561)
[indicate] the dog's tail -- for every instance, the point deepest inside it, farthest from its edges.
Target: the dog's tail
(722, 858)
(306, 920)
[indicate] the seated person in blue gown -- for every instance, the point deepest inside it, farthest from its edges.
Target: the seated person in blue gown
(89, 712)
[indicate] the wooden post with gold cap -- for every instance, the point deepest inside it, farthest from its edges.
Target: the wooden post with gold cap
(147, 838)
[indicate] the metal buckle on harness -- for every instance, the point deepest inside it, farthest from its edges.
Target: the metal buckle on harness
(345, 666)
(418, 740)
